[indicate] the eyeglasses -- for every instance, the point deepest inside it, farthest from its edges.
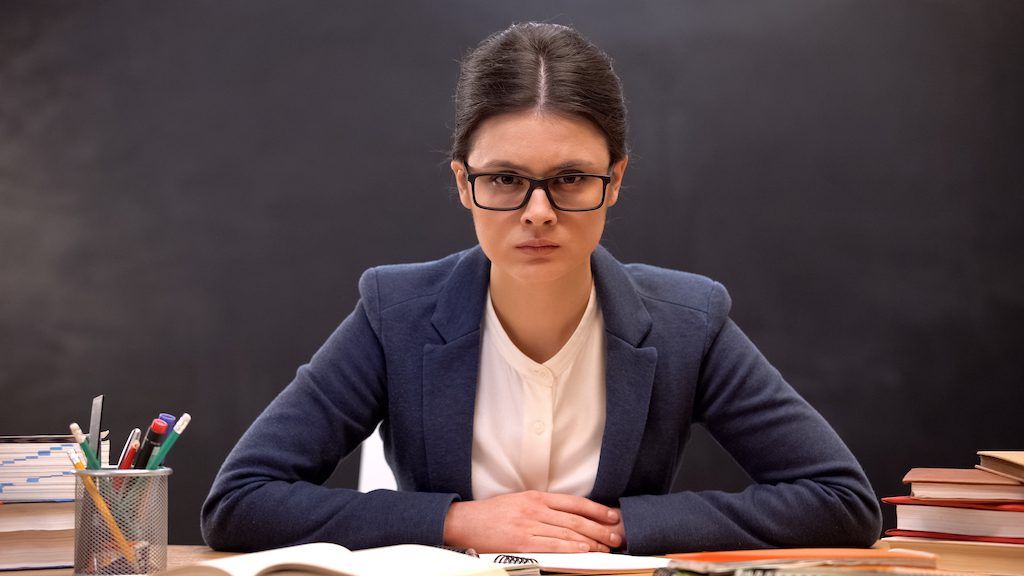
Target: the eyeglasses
(575, 192)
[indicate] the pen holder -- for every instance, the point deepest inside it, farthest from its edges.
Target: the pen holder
(120, 521)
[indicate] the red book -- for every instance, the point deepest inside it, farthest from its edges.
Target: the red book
(962, 517)
(1000, 505)
(944, 536)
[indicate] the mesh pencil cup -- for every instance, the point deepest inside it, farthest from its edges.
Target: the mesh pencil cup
(120, 521)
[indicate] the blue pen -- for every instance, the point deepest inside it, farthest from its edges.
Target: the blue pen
(169, 418)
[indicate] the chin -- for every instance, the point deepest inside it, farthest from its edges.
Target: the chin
(538, 271)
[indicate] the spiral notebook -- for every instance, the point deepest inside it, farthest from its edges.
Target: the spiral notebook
(514, 565)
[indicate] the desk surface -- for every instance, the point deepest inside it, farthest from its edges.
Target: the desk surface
(176, 556)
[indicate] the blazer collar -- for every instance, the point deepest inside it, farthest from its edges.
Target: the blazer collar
(460, 306)
(625, 315)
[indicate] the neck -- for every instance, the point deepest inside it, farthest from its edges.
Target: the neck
(540, 318)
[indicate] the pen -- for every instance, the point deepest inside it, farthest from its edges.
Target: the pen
(154, 437)
(133, 436)
(83, 442)
(101, 506)
(129, 455)
(126, 462)
(169, 418)
(158, 458)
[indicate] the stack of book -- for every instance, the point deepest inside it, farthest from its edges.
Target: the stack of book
(973, 519)
(37, 508)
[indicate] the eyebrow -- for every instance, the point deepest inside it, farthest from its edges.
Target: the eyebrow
(575, 165)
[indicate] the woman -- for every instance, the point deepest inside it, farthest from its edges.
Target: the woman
(534, 394)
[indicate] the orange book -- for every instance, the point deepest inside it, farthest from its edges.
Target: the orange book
(1009, 463)
(730, 560)
(962, 483)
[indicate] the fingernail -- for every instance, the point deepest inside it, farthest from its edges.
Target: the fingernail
(613, 516)
(584, 547)
(614, 538)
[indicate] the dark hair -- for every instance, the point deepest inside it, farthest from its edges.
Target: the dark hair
(545, 66)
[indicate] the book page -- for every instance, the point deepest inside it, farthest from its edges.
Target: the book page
(334, 560)
(318, 558)
(419, 560)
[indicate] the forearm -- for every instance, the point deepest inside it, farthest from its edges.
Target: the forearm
(804, 513)
(260, 515)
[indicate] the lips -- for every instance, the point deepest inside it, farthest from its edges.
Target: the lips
(539, 243)
(538, 248)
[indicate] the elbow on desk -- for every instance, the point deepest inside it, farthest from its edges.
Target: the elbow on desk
(865, 528)
(223, 524)
(860, 519)
(871, 522)
(212, 524)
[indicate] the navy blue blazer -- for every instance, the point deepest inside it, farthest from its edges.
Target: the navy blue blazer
(408, 357)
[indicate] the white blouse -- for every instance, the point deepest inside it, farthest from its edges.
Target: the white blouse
(539, 426)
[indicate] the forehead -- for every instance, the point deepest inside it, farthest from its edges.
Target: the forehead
(538, 141)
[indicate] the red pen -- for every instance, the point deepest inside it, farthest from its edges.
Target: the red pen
(126, 462)
(129, 456)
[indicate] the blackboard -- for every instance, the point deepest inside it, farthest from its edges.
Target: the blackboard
(190, 190)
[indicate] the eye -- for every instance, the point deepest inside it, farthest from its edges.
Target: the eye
(506, 180)
(570, 179)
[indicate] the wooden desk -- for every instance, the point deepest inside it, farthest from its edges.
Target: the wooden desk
(176, 556)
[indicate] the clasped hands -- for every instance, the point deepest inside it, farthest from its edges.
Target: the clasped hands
(534, 522)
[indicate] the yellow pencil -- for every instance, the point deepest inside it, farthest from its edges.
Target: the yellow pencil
(101, 505)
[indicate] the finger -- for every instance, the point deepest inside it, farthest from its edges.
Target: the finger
(554, 539)
(585, 529)
(582, 507)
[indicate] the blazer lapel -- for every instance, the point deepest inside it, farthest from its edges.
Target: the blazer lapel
(629, 375)
(450, 372)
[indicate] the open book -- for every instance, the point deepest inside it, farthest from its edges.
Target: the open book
(333, 560)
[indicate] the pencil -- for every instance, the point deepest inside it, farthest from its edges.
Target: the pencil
(104, 511)
(158, 458)
(83, 443)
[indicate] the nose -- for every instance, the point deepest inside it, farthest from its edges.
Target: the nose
(538, 209)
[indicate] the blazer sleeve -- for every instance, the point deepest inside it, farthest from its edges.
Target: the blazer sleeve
(808, 489)
(269, 493)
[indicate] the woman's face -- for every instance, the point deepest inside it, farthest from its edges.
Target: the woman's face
(538, 243)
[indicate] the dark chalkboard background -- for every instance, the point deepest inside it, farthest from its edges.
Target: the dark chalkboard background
(189, 191)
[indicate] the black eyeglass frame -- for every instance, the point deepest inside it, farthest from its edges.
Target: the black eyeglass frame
(541, 183)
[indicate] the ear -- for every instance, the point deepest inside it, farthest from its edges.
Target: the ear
(462, 183)
(618, 169)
